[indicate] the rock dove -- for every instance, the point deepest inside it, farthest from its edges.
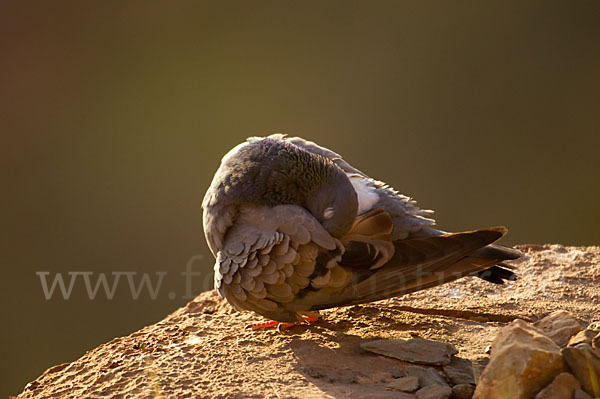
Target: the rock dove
(295, 229)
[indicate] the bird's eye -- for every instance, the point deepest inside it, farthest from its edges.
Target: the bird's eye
(328, 213)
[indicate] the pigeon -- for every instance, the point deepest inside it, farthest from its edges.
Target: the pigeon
(296, 229)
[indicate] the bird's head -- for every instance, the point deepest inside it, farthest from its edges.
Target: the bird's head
(334, 203)
(270, 171)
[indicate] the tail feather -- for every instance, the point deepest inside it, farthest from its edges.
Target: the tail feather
(497, 274)
(497, 251)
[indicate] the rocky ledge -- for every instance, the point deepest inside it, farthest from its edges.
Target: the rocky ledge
(533, 338)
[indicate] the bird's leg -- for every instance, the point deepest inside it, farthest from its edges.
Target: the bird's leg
(264, 324)
(307, 317)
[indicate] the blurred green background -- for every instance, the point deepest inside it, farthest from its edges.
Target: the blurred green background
(114, 116)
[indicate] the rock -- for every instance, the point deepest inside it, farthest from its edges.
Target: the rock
(463, 391)
(413, 350)
(479, 365)
(523, 361)
(584, 337)
(202, 350)
(396, 395)
(434, 392)
(584, 362)
(579, 394)
(560, 326)
(459, 371)
(404, 384)
(398, 372)
(427, 376)
(561, 387)
(596, 341)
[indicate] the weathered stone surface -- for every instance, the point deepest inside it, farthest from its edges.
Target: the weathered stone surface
(523, 362)
(463, 391)
(404, 384)
(579, 394)
(560, 326)
(434, 392)
(414, 350)
(584, 337)
(479, 365)
(561, 387)
(203, 350)
(584, 363)
(459, 371)
(426, 375)
(393, 395)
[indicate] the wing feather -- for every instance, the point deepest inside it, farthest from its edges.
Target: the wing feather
(417, 264)
(269, 255)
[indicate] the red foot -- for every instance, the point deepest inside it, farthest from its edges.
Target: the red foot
(279, 325)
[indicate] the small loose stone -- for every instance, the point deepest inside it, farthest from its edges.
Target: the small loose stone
(404, 384)
(463, 391)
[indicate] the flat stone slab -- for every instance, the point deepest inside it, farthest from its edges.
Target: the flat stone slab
(414, 350)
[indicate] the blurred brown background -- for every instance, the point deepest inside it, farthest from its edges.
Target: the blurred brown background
(114, 116)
